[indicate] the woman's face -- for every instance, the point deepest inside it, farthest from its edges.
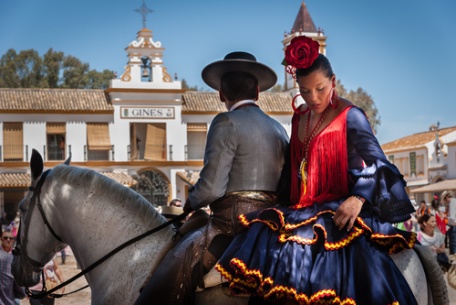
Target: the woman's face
(430, 223)
(316, 90)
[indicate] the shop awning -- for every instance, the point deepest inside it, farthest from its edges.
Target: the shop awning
(197, 127)
(98, 136)
(55, 128)
(445, 185)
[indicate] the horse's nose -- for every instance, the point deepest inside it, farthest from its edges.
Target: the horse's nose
(16, 251)
(23, 273)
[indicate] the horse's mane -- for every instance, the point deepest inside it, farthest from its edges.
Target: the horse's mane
(113, 191)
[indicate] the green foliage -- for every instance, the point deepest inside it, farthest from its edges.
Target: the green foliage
(364, 101)
(277, 88)
(187, 87)
(52, 62)
(54, 70)
(8, 70)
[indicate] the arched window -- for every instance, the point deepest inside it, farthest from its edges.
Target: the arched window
(153, 186)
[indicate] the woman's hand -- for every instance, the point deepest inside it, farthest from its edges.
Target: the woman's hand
(347, 212)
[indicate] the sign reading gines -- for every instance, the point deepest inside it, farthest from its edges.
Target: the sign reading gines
(147, 112)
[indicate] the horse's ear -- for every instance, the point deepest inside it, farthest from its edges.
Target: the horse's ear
(36, 165)
(67, 161)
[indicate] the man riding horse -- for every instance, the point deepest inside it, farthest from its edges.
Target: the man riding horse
(244, 157)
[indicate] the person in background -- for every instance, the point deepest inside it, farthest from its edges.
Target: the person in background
(243, 160)
(323, 248)
(422, 209)
(63, 256)
(447, 199)
(10, 292)
(4, 221)
(439, 211)
(175, 203)
(8, 241)
(433, 238)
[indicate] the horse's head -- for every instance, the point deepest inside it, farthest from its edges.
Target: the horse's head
(37, 242)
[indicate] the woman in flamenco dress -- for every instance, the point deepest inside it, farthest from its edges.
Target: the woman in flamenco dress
(330, 242)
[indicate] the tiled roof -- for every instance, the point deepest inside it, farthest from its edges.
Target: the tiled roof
(121, 177)
(22, 180)
(445, 185)
(415, 140)
(270, 102)
(14, 180)
(54, 100)
(303, 21)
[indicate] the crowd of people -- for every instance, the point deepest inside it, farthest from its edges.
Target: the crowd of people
(434, 224)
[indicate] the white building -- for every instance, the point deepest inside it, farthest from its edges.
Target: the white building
(149, 134)
(144, 131)
(427, 160)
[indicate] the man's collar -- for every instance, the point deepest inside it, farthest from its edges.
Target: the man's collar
(241, 103)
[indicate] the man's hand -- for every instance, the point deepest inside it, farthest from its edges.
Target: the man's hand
(188, 207)
(347, 212)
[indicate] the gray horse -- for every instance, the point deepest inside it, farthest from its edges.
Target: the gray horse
(94, 214)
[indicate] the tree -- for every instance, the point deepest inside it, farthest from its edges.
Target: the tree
(364, 101)
(8, 70)
(29, 67)
(54, 70)
(99, 80)
(75, 73)
(187, 87)
(52, 63)
(277, 88)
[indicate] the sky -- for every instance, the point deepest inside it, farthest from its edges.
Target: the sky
(401, 52)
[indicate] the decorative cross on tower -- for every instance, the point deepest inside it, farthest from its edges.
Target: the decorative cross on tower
(143, 10)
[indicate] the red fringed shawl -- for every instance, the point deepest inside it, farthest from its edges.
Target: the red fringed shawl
(327, 167)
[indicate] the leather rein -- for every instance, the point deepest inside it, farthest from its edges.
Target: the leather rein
(38, 267)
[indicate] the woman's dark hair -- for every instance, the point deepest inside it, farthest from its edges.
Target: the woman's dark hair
(238, 86)
(321, 63)
(423, 219)
(435, 204)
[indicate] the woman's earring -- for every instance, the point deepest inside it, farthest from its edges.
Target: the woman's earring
(293, 105)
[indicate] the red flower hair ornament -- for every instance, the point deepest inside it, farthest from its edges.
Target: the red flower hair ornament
(300, 53)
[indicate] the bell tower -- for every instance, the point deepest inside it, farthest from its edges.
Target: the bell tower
(145, 68)
(303, 25)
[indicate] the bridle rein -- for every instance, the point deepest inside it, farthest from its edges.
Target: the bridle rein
(38, 267)
(22, 252)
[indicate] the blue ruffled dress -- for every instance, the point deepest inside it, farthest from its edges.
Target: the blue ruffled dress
(297, 252)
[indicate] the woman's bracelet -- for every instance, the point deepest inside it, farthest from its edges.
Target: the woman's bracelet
(359, 198)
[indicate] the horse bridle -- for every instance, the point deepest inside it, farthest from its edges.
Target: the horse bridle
(18, 251)
(35, 200)
(37, 267)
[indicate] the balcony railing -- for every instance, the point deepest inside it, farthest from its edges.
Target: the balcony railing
(54, 153)
(98, 155)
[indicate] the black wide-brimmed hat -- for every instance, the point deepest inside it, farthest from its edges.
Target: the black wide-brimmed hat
(239, 62)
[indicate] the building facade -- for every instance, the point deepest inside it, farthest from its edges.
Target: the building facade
(149, 134)
(144, 131)
(427, 160)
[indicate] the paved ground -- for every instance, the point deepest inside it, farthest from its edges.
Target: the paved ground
(83, 297)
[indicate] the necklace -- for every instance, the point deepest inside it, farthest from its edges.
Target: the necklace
(303, 165)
